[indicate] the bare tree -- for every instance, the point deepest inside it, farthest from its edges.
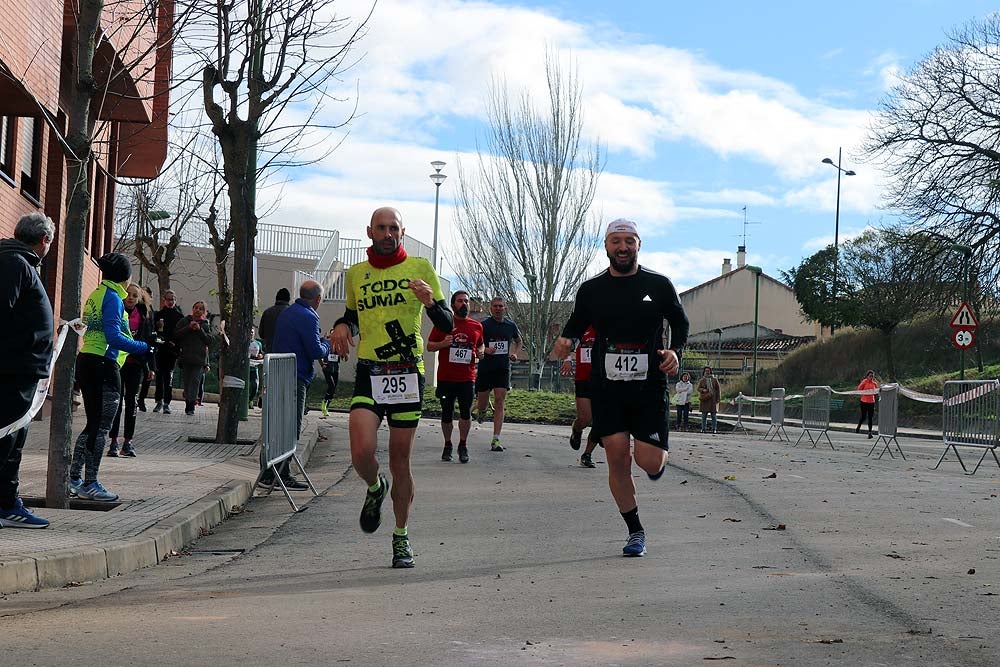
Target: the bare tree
(523, 219)
(90, 106)
(936, 136)
(265, 66)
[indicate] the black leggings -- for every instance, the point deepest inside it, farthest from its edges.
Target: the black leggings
(100, 385)
(165, 362)
(331, 372)
(132, 376)
(867, 410)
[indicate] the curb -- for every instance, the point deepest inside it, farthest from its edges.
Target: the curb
(62, 567)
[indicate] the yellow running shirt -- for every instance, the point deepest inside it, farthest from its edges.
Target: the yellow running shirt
(389, 313)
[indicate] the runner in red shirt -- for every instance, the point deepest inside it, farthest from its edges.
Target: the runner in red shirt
(458, 352)
(583, 413)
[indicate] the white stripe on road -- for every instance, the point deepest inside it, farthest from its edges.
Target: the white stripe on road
(795, 476)
(957, 522)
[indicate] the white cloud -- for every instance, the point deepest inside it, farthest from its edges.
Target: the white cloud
(846, 234)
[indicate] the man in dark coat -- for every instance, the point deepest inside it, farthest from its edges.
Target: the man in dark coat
(26, 340)
(269, 318)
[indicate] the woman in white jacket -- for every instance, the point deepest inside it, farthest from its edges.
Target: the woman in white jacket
(682, 398)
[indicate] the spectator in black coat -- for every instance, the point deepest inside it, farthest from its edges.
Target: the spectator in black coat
(269, 318)
(26, 342)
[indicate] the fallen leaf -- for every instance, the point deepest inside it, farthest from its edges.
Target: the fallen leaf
(684, 481)
(829, 641)
(731, 478)
(895, 555)
(773, 475)
(972, 570)
(722, 657)
(731, 519)
(779, 526)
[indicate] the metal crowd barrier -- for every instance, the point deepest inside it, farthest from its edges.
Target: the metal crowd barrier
(739, 417)
(888, 419)
(971, 418)
(816, 415)
(279, 436)
(777, 427)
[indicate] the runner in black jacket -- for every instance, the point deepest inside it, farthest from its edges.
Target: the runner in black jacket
(627, 305)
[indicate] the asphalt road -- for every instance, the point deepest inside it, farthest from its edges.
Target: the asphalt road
(836, 559)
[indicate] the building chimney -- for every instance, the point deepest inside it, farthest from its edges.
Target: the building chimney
(727, 266)
(741, 257)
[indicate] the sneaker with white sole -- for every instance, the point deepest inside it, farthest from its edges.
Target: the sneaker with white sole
(74, 487)
(495, 445)
(20, 516)
(96, 491)
(636, 544)
(402, 554)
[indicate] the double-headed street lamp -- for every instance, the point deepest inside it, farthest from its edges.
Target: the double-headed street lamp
(836, 231)
(756, 271)
(437, 178)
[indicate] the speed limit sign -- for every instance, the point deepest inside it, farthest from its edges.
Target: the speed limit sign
(963, 339)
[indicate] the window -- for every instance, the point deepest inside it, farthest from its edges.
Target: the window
(7, 147)
(31, 157)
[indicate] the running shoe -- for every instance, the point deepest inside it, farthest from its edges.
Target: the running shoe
(495, 445)
(463, 454)
(20, 516)
(158, 406)
(371, 511)
(96, 491)
(166, 409)
(141, 406)
(480, 416)
(113, 449)
(636, 544)
(294, 483)
(586, 461)
(74, 486)
(574, 439)
(128, 449)
(402, 554)
(657, 475)
(446, 454)
(325, 408)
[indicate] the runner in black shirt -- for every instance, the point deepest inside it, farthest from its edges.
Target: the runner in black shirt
(627, 305)
(503, 344)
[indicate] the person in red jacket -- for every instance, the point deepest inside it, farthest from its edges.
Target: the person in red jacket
(458, 352)
(867, 402)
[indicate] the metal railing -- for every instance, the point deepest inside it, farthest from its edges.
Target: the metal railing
(777, 427)
(971, 418)
(816, 415)
(888, 420)
(279, 436)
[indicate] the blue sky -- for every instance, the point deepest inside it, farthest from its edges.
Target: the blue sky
(703, 108)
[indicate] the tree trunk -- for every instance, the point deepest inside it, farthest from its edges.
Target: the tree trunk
(163, 280)
(79, 137)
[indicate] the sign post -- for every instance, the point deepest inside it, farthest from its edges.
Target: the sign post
(963, 334)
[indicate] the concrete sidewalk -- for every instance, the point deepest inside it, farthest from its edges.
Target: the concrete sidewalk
(173, 491)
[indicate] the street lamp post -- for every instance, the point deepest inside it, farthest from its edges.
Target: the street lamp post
(756, 271)
(966, 257)
(836, 231)
(532, 383)
(437, 178)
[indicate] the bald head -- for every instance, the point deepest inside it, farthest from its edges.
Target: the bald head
(386, 230)
(312, 292)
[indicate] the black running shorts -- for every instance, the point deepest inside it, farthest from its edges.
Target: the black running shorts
(639, 410)
(498, 378)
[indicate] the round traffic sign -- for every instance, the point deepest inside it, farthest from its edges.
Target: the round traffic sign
(963, 339)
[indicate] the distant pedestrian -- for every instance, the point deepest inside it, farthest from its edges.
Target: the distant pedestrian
(26, 340)
(269, 318)
(146, 381)
(297, 330)
(709, 395)
(106, 344)
(192, 337)
(255, 353)
(331, 373)
(165, 322)
(867, 402)
(682, 398)
(135, 369)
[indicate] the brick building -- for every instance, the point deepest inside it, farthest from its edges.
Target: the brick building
(132, 67)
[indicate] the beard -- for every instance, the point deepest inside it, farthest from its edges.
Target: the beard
(387, 246)
(463, 311)
(623, 264)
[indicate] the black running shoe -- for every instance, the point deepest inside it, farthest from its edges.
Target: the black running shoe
(657, 475)
(128, 450)
(371, 512)
(586, 461)
(574, 439)
(446, 454)
(294, 483)
(402, 554)
(463, 454)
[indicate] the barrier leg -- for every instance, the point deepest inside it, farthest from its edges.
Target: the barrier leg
(830, 442)
(302, 469)
(957, 455)
(991, 450)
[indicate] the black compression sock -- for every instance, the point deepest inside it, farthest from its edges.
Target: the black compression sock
(632, 521)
